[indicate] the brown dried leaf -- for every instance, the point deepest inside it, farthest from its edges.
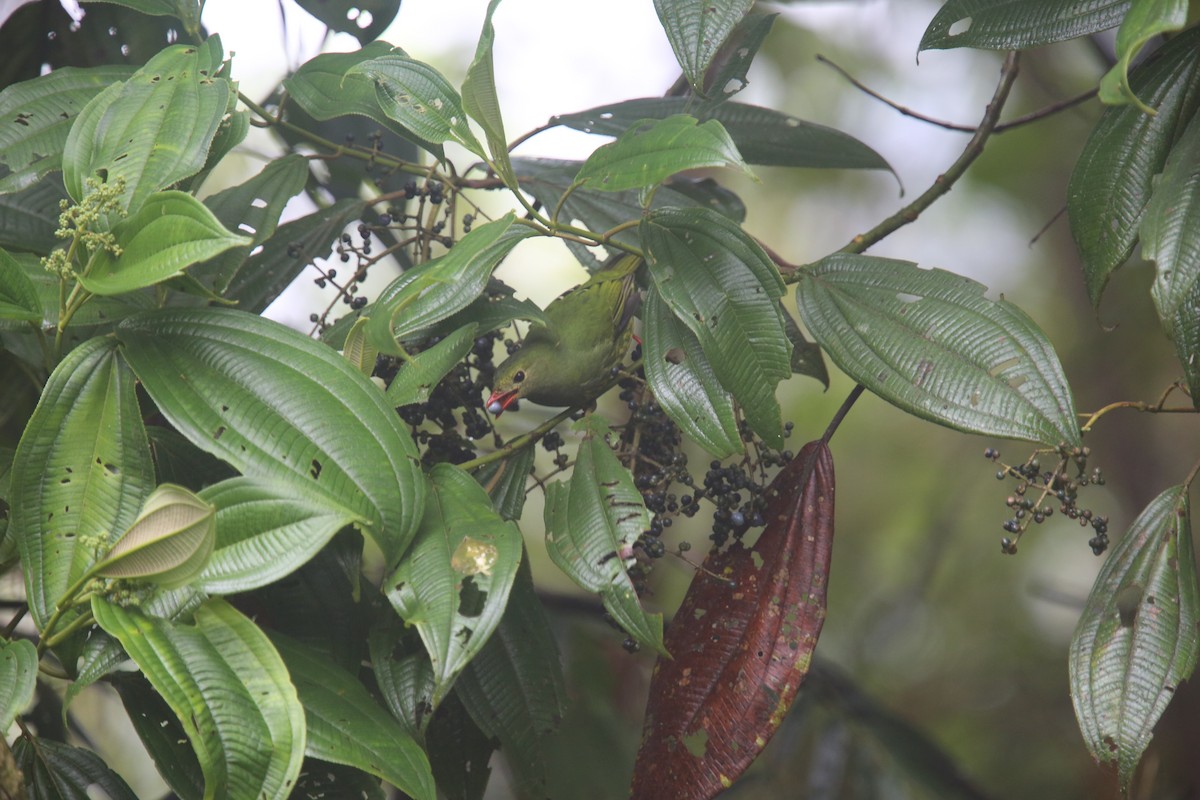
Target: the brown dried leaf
(742, 642)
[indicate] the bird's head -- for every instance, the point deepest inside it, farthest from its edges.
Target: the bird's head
(515, 379)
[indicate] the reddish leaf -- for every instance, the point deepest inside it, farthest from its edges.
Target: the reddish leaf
(742, 642)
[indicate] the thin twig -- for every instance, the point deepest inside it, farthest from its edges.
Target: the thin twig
(1024, 119)
(945, 181)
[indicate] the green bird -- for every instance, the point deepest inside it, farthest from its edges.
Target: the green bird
(569, 360)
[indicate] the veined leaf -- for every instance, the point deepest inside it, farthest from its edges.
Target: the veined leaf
(186, 11)
(505, 481)
(169, 542)
(264, 531)
(228, 688)
(263, 276)
(327, 87)
(18, 297)
(18, 678)
(724, 288)
(432, 292)
(762, 135)
(650, 151)
(172, 230)
(362, 19)
(454, 582)
(416, 95)
(282, 407)
(1018, 24)
(1136, 639)
(53, 769)
(514, 689)
(480, 100)
(696, 31)
(683, 380)
(251, 208)
(930, 343)
(727, 74)
(160, 732)
(742, 642)
(592, 522)
(80, 474)
(36, 115)
(403, 673)
(347, 726)
(152, 130)
(1171, 239)
(1144, 20)
(28, 218)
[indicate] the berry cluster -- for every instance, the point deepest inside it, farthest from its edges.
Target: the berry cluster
(1037, 489)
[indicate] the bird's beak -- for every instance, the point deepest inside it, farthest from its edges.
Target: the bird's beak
(499, 402)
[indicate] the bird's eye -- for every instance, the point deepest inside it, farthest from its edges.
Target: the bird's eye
(520, 376)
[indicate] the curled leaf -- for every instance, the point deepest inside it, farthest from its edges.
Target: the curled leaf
(168, 543)
(742, 642)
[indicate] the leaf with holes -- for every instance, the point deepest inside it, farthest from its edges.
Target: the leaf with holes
(81, 473)
(1018, 24)
(362, 19)
(742, 641)
(930, 343)
(1137, 636)
(453, 583)
(282, 407)
(18, 678)
(696, 32)
(592, 522)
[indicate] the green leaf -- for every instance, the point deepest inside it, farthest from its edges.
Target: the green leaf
(152, 130)
(930, 343)
(727, 74)
(454, 582)
(99, 311)
(506, 480)
(326, 88)
(1136, 639)
(28, 218)
(80, 474)
(161, 733)
(265, 531)
(514, 689)
(228, 688)
(762, 135)
(696, 31)
(1170, 235)
(1018, 24)
(650, 151)
(482, 104)
(416, 95)
(171, 231)
(459, 752)
(36, 115)
(18, 298)
(356, 350)
(549, 179)
(186, 11)
(282, 407)
(56, 770)
(252, 208)
(346, 725)
(1145, 20)
(403, 673)
(432, 292)
(806, 355)
(724, 288)
(415, 381)
(262, 277)
(362, 19)
(18, 678)
(592, 522)
(683, 380)
(168, 544)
